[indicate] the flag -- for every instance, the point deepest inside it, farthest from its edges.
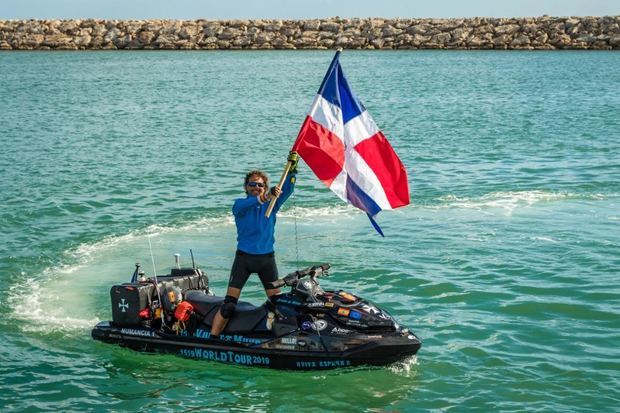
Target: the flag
(342, 145)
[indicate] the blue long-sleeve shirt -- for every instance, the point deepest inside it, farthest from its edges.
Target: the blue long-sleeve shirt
(255, 232)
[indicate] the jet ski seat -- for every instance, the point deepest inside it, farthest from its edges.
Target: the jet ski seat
(247, 317)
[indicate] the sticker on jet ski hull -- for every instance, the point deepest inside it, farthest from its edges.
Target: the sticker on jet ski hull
(225, 356)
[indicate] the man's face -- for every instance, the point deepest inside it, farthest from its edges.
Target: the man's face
(255, 186)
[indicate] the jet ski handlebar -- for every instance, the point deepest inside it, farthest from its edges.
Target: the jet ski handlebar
(292, 278)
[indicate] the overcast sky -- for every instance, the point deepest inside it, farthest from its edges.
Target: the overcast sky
(299, 9)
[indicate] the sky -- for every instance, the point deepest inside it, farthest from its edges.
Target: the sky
(299, 9)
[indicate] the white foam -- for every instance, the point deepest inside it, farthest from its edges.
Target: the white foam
(339, 210)
(405, 367)
(57, 299)
(203, 224)
(511, 200)
(42, 311)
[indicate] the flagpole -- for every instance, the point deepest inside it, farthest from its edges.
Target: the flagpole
(272, 203)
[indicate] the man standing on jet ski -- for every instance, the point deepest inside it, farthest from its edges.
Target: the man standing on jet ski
(255, 238)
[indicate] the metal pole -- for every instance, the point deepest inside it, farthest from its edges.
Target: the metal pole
(287, 168)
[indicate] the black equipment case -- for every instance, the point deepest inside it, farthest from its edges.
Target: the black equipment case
(128, 300)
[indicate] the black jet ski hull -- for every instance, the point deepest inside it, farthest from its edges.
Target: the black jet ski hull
(383, 351)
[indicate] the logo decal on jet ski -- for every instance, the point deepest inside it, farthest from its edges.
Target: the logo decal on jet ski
(289, 340)
(344, 312)
(318, 326)
(123, 305)
(338, 330)
(136, 332)
(384, 316)
(319, 305)
(284, 347)
(225, 356)
(355, 315)
(240, 339)
(322, 363)
(291, 302)
(370, 309)
(200, 333)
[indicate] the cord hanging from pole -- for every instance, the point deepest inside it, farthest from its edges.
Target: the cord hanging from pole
(296, 233)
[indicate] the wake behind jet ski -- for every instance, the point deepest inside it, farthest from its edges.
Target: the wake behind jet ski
(307, 328)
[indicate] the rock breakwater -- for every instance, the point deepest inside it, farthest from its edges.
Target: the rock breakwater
(540, 33)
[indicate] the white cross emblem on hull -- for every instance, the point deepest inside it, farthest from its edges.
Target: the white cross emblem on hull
(123, 305)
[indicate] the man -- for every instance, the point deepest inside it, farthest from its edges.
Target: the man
(255, 238)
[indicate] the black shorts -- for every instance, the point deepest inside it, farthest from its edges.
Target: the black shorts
(245, 264)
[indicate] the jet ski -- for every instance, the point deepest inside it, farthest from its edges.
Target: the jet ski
(307, 328)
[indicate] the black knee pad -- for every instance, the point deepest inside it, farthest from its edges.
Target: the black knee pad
(228, 306)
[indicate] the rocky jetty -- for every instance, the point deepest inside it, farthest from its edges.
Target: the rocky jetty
(540, 33)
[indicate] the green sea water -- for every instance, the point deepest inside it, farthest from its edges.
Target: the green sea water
(507, 263)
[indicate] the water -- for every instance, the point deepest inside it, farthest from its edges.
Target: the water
(507, 264)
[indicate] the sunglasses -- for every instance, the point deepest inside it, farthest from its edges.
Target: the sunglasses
(258, 184)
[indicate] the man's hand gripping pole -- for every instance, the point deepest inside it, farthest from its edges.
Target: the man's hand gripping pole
(291, 166)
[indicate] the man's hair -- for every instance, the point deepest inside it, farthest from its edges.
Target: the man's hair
(258, 173)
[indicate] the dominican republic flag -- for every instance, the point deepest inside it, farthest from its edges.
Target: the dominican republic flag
(344, 148)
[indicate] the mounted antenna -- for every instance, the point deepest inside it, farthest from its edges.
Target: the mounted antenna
(177, 260)
(192, 254)
(148, 237)
(134, 277)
